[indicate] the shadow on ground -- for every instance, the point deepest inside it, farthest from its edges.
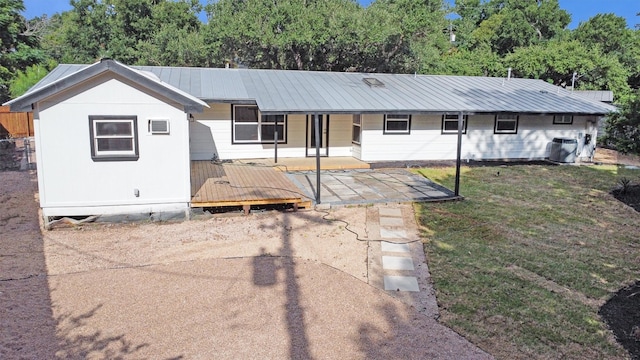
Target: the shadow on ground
(622, 316)
(28, 326)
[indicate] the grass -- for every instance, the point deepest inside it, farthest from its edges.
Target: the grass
(522, 265)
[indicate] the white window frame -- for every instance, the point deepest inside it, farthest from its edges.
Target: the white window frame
(259, 123)
(356, 128)
(563, 119)
(395, 117)
(113, 155)
(454, 118)
(500, 118)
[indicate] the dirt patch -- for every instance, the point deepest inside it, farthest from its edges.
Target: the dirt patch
(608, 156)
(622, 316)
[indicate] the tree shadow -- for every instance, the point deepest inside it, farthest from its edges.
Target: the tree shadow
(91, 343)
(265, 271)
(405, 334)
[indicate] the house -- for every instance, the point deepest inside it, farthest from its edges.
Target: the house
(113, 138)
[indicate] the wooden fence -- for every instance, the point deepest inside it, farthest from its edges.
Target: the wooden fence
(15, 124)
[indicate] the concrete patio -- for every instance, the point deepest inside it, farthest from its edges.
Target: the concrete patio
(366, 186)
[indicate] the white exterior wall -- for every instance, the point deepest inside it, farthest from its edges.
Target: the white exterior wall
(426, 141)
(340, 135)
(71, 183)
(211, 134)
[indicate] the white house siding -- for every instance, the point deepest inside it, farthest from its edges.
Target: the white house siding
(71, 183)
(340, 135)
(211, 133)
(426, 141)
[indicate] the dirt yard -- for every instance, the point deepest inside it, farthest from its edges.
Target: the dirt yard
(271, 285)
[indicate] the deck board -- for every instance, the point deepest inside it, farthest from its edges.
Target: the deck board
(214, 185)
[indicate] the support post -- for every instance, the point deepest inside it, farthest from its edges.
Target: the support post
(275, 143)
(317, 138)
(459, 153)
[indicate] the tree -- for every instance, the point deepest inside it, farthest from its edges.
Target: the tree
(288, 34)
(611, 34)
(17, 49)
(505, 25)
(125, 30)
(404, 36)
(25, 79)
(622, 128)
(557, 60)
(480, 62)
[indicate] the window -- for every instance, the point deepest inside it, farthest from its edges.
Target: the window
(397, 124)
(563, 119)
(506, 124)
(356, 129)
(114, 138)
(250, 127)
(450, 124)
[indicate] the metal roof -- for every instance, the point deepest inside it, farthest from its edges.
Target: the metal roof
(291, 91)
(598, 95)
(63, 78)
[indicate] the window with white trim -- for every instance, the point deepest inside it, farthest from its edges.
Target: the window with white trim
(356, 129)
(114, 138)
(397, 124)
(506, 124)
(251, 127)
(563, 119)
(450, 124)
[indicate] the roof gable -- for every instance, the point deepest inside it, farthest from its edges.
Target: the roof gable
(65, 77)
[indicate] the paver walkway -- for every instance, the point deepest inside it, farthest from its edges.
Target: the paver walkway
(397, 263)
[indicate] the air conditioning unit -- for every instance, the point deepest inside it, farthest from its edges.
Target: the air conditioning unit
(159, 126)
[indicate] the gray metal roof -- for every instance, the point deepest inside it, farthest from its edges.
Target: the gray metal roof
(598, 95)
(290, 91)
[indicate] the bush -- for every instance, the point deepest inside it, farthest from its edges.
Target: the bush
(622, 128)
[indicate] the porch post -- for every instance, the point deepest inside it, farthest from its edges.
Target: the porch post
(275, 143)
(317, 136)
(460, 127)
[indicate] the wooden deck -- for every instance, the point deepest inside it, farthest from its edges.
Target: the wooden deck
(225, 185)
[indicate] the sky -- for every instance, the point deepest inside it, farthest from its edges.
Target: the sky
(580, 10)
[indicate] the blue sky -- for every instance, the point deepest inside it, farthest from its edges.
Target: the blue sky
(580, 10)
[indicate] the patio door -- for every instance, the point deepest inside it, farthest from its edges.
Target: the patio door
(324, 135)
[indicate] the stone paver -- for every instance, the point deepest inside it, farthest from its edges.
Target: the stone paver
(397, 263)
(393, 234)
(391, 221)
(389, 212)
(401, 283)
(391, 247)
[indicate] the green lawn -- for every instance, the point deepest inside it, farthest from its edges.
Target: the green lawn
(522, 265)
